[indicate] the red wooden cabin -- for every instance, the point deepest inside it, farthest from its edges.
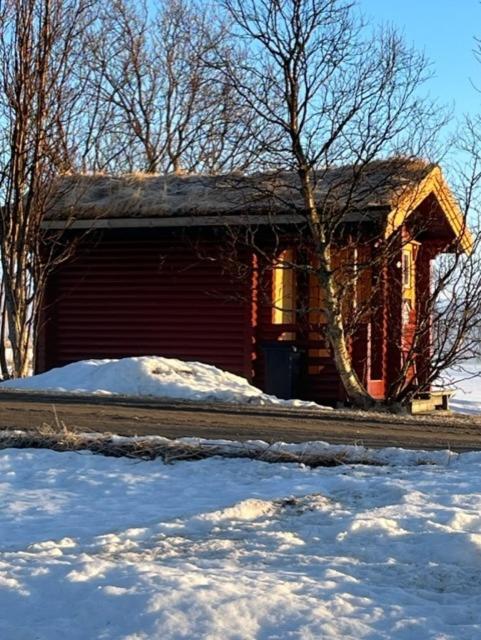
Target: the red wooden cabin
(153, 273)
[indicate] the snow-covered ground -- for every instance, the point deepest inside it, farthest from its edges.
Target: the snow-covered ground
(105, 548)
(152, 376)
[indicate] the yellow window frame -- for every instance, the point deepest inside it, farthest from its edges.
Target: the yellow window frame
(284, 289)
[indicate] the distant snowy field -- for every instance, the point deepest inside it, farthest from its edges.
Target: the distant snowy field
(468, 388)
(105, 548)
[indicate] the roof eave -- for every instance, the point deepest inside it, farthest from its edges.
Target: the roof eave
(172, 222)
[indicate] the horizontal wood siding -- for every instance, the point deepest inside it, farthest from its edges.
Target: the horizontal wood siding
(122, 298)
(322, 382)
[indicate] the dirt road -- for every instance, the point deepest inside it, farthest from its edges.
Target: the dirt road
(173, 420)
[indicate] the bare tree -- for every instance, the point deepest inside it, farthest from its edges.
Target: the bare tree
(40, 45)
(88, 87)
(161, 105)
(337, 97)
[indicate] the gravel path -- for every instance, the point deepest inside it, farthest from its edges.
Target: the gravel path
(126, 416)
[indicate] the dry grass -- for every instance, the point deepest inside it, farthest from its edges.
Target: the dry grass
(144, 196)
(59, 437)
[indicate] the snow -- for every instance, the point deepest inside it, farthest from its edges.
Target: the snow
(231, 549)
(152, 376)
(467, 382)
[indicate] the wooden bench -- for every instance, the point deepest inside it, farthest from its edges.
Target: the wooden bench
(432, 401)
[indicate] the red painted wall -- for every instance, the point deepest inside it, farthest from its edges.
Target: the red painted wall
(158, 296)
(161, 293)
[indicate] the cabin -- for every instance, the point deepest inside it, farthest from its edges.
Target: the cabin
(222, 270)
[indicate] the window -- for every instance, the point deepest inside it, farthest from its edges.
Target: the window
(408, 265)
(283, 289)
(407, 268)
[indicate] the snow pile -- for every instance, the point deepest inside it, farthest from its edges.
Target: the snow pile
(159, 377)
(95, 547)
(152, 376)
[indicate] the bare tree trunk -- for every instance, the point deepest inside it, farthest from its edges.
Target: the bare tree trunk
(334, 330)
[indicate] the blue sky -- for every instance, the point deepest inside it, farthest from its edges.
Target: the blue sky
(444, 30)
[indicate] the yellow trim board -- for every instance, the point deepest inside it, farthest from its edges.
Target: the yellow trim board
(284, 289)
(433, 183)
